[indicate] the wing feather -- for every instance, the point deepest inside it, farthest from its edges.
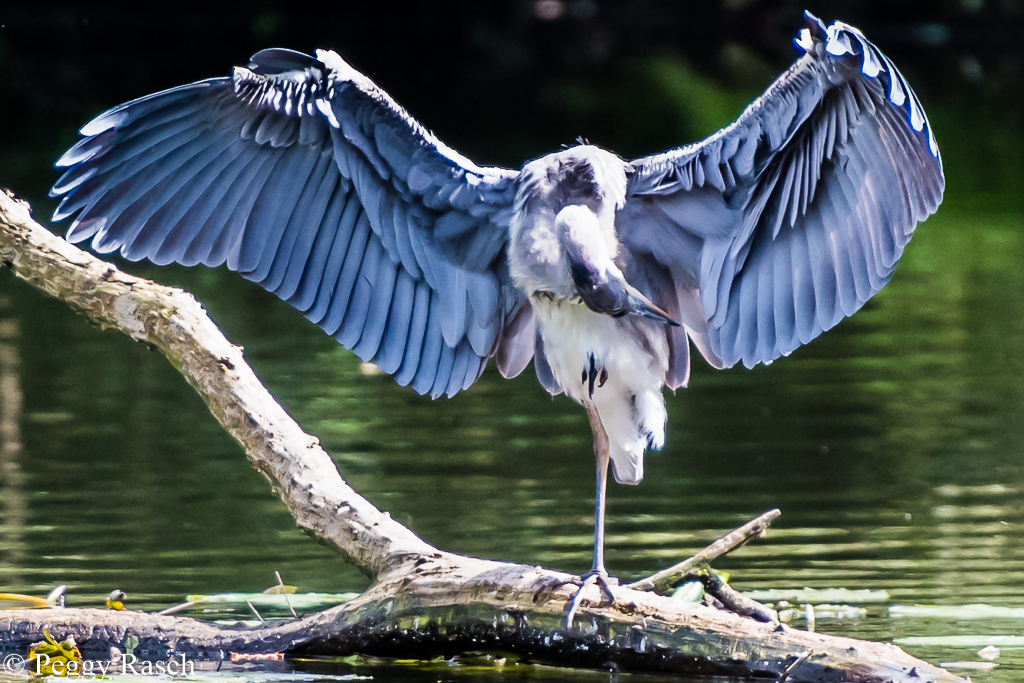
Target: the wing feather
(347, 258)
(780, 300)
(338, 237)
(353, 319)
(299, 234)
(433, 344)
(417, 332)
(803, 291)
(443, 372)
(190, 220)
(400, 319)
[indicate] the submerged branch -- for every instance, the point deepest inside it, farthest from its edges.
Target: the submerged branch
(735, 601)
(423, 601)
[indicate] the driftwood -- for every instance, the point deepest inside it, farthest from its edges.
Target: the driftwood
(422, 601)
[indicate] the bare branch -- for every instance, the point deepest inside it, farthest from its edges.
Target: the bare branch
(663, 581)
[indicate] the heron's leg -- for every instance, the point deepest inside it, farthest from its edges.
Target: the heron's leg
(601, 454)
(598, 574)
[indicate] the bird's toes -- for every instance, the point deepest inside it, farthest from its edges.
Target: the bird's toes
(604, 583)
(601, 576)
(574, 580)
(594, 376)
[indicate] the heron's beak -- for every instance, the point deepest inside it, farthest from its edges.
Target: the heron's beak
(641, 305)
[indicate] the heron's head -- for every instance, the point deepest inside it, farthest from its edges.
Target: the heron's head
(564, 199)
(583, 175)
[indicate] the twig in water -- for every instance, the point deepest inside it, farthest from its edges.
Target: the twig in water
(253, 608)
(178, 608)
(56, 596)
(284, 592)
(661, 582)
(789, 669)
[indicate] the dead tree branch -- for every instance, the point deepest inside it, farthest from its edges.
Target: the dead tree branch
(662, 581)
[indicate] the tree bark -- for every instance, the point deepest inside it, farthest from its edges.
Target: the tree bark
(423, 601)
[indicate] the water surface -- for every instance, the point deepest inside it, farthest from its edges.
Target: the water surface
(892, 445)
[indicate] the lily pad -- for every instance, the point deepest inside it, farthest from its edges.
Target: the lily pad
(818, 596)
(972, 666)
(971, 642)
(972, 611)
(824, 612)
(302, 601)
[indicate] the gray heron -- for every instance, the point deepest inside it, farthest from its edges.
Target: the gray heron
(305, 177)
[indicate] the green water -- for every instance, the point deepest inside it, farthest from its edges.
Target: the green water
(894, 444)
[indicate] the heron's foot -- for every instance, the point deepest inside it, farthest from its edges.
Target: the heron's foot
(592, 374)
(601, 578)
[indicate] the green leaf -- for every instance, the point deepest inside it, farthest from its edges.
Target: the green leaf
(691, 591)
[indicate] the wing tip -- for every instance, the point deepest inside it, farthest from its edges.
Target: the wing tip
(108, 120)
(839, 40)
(813, 32)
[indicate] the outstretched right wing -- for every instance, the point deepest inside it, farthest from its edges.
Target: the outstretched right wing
(772, 230)
(303, 176)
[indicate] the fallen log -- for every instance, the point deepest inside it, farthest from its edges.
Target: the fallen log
(422, 602)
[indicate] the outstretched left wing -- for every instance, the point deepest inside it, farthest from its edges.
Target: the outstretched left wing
(772, 230)
(303, 176)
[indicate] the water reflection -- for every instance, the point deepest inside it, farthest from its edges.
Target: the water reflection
(12, 502)
(891, 445)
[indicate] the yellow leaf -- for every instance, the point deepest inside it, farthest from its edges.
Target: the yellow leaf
(116, 599)
(55, 659)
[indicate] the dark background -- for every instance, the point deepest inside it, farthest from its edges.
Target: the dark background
(507, 81)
